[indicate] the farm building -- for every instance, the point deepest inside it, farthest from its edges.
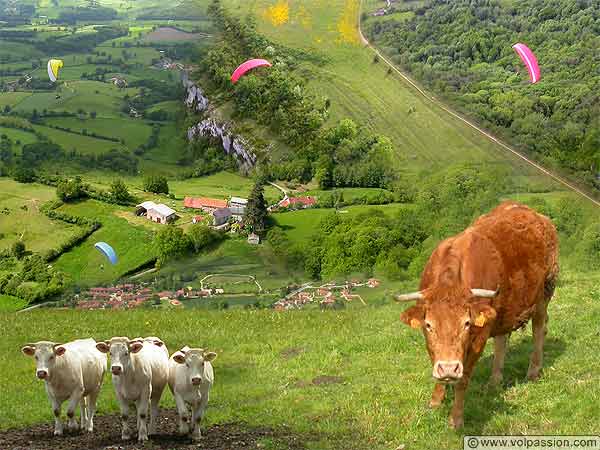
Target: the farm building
(298, 202)
(158, 213)
(253, 239)
(205, 204)
(237, 206)
(221, 216)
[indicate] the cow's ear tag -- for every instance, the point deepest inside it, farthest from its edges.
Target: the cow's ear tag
(480, 321)
(414, 323)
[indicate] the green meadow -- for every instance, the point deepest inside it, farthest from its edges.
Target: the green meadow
(20, 218)
(132, 243)
(334, 379)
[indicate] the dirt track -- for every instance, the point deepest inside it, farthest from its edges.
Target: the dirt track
(107, 436)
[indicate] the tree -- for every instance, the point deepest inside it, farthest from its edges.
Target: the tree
(24, 175)
(201, 236)
(171, 242)
(119, 192)
(70, 190)
(18, 249)
(156, 184)
(256, 210)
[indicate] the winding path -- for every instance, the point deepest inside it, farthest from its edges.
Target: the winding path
(441, 105)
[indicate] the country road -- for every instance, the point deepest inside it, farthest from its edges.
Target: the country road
(445, 108)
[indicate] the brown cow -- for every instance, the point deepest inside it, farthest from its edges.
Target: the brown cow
(487, 281)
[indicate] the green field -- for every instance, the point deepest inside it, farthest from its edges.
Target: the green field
(134, 133)
(132, 243)
(268, 361)
(24, 221)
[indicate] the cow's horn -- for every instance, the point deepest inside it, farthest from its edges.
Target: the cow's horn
(409, 297)
(485, 293)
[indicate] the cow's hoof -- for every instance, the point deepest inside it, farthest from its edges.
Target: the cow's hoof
(495, 381)
(58, 433)
(533, 375)
(456, 422)
(197, 437)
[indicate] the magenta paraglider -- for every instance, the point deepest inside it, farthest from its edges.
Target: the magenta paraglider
(247, 66)
(529, 60)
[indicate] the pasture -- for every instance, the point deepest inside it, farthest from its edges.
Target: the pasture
(22, 220)
(133, 243)
(333, 379)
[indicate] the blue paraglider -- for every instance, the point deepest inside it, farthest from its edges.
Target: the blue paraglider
(107, 251)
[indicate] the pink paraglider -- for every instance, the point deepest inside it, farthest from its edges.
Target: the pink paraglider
(247, 66)
(530, 61)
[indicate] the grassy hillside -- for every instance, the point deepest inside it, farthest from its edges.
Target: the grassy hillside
(269, 364)
(21, 218)
(363, 90)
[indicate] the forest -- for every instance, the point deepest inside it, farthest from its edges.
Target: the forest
(462, 51)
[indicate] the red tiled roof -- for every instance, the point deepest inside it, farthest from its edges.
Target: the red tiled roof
(202, 202)
(306, 201)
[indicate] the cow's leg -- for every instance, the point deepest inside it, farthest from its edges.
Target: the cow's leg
(83, 413)
(154, 410)
(182, 410)
(142, 405)
(197, 415)
(500, 346)
(124, 404)
(438, 395)
(539, 335)
(56, 407)
(74, 400)
(91, 410)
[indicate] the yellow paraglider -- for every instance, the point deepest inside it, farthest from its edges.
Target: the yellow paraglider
(54, 65)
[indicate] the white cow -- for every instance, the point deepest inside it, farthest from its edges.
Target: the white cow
(140, 370)
(71, 371)
(190, 379)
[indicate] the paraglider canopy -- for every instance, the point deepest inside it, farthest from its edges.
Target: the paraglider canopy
(247, 66)
(54, 65)
(530, 61)
(107, 251)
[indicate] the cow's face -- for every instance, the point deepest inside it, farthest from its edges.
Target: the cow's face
(45, 354)
(452, 328)
(120, 350)
(194, 360)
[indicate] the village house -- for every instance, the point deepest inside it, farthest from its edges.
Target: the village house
(208, 205)
(237, 206)
(158, 213)
(221, 216)
(298, 202)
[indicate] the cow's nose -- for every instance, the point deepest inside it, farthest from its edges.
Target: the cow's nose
(41, 374)
(116, 370)
(448, 370)
(196, 381)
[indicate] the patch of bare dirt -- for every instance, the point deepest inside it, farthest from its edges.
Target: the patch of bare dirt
(107, 436)
(318, 381)
(291, 352)
(327, 379)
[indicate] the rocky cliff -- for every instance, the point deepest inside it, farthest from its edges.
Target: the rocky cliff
(210, 127)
